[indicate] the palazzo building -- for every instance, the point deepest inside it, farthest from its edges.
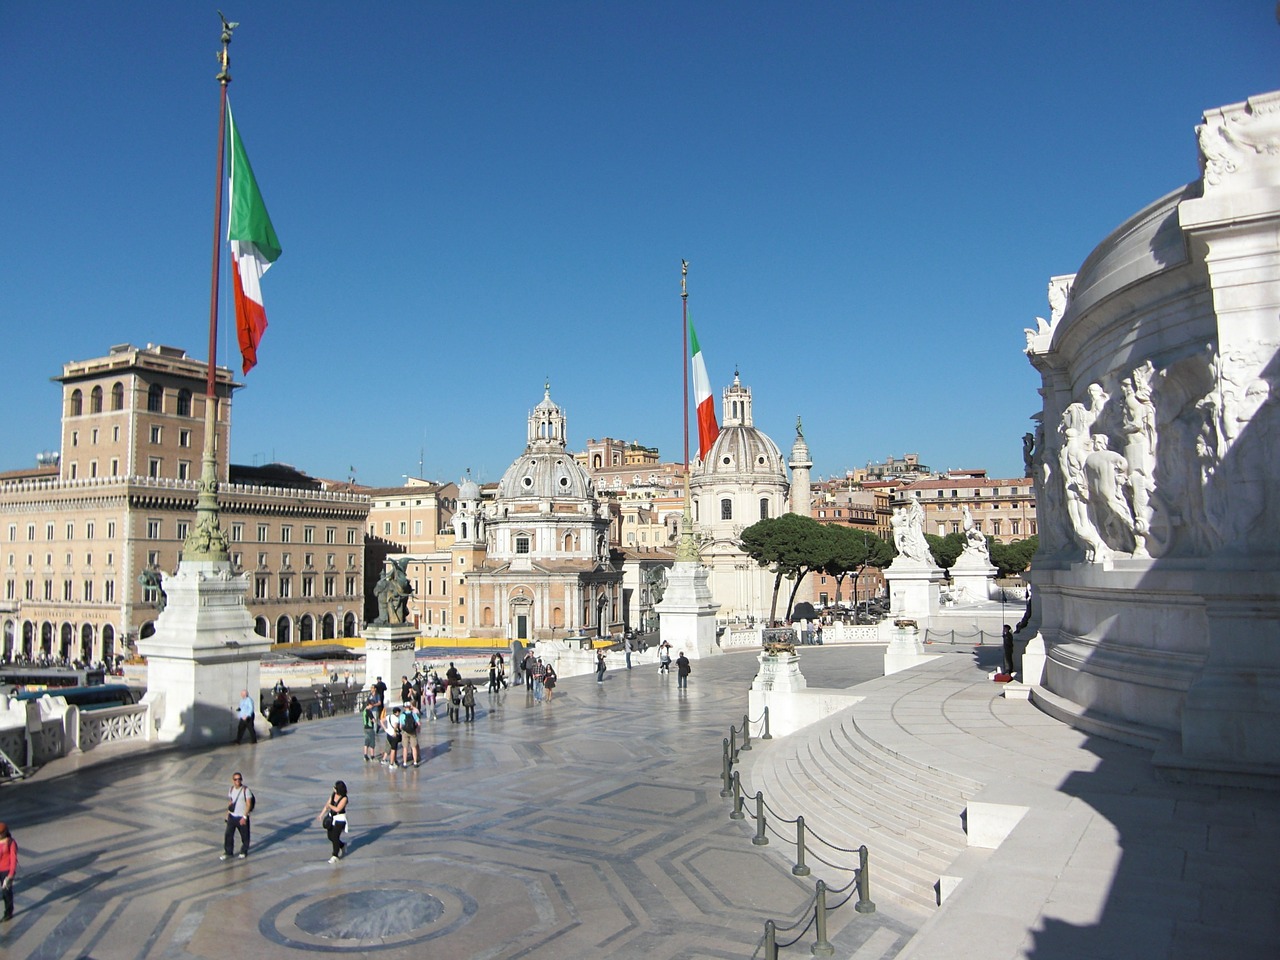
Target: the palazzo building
(78, 546)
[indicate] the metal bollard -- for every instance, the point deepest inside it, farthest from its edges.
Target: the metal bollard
(746, 733)
(737, 813)
(724, 769)
(767, 734)
(821, 947)
(760, 839)
(770, 941)
(800, 869)
(733, 744)
(864, 904)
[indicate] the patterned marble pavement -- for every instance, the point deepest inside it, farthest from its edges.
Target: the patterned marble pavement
(591, 826)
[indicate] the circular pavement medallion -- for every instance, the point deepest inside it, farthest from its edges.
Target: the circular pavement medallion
(366, 919)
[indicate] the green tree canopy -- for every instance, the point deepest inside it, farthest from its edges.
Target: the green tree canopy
(946, 549)
(852, 551)
(790, 546)
(1011, 558)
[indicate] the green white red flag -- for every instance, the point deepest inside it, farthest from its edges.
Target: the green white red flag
(708, 429)
(254, 247)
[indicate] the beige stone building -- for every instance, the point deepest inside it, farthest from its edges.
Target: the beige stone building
(75, 543)
(1003, 508)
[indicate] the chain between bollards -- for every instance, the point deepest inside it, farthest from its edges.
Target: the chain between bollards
(821, 947)
(724, 769)
(759, 839)
(864, 904)
(800, 869)
(737, 813)
(746, 732)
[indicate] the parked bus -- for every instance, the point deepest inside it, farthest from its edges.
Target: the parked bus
(97, 697)
(47, 678)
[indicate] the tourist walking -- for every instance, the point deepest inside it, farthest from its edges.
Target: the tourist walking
(664, 657)
(369, 719)
(493, 673)
(600, 666)
(333, 817)
(8, 868)
(502, 672)
(549, 679)
(247, 711)
(410, 722)
(469, 702)
(626, 646)
(240, 803)
(429, 697)
(455, 702)
(529, 661)
(683, 669)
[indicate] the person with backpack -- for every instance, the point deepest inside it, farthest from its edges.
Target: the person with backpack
(369, 718)
(410, 722)
(469, 702)
(240, 803)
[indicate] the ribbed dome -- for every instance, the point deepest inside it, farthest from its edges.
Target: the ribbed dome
(546, 469)
(545, 476)
(468, 489)
(743, 450)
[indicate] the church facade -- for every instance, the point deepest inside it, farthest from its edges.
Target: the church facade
(743, 480)
(535, 561)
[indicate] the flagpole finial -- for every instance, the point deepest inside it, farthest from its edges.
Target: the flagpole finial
(684, 274)
(224, 57)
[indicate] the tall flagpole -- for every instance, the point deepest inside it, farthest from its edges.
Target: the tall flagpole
(206, 541)
(686, 549)
(684, 353)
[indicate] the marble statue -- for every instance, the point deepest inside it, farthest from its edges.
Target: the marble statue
(907, 524)
(1075, 448)
(393, 591)
(153, 580)
(975, 544)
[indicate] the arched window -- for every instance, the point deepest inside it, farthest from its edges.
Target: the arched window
(726, 509)
(764, 508)
(77, 403)
(184, 403)
(155, 398)
(117, 396)
(95, 400)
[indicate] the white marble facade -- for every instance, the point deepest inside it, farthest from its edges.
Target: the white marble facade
(1155, 461)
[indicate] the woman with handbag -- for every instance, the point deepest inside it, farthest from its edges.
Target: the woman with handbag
(333, 817)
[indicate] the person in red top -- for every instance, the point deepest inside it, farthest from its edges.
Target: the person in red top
(8, 868)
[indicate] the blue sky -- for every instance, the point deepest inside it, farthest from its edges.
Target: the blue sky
(475, 197)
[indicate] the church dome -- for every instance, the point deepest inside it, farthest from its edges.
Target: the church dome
(741, 451)
(546, 470)
(468, 489)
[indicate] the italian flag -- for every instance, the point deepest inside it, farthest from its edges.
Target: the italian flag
(708, 429)
(254, 247)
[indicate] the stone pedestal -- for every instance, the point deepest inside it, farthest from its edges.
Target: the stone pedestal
(687, 613)
(780, 672)
(972, 576)
(912, 593)
(203, 654)
(905, 650)
(389, 653)
(1033, 661)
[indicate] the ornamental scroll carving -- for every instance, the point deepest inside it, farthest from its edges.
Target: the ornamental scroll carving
(1241, 143)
